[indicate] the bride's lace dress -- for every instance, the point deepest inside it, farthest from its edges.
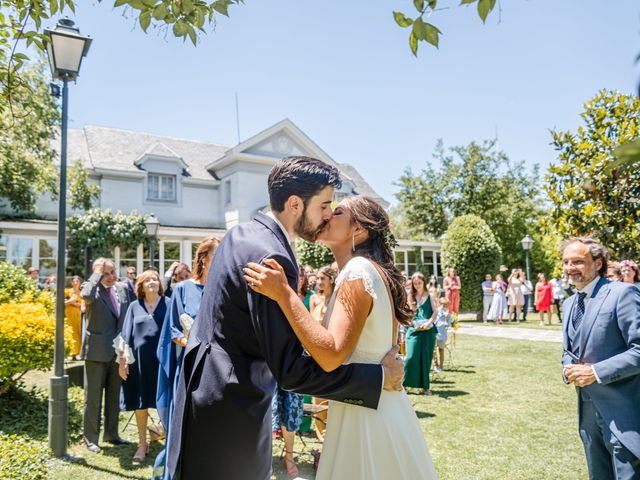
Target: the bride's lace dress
(362, 443)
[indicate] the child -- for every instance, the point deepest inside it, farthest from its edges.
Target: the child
(443, 321)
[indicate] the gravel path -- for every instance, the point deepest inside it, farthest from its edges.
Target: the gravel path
(512, 332)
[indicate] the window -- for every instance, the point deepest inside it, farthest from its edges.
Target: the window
(21, 252)
(411, 262)
(439, 265)
(3, 248)
(128, 258)
(427, 261)
(48, 253)
(161, 187)
(399, 258)
(171, 254)
(227, 192)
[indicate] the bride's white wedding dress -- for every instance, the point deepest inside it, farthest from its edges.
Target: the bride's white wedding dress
(362, 443)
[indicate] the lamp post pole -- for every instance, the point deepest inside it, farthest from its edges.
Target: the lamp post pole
(59, 383)
(152, 252)
(65, 49)
(527, 243)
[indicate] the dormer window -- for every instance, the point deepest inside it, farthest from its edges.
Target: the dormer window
(161, 187)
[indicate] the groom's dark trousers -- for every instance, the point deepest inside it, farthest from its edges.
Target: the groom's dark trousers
(239, 347)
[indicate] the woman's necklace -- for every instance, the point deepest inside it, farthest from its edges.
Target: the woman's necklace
(151, 306)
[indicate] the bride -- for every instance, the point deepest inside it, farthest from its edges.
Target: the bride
(360, 325)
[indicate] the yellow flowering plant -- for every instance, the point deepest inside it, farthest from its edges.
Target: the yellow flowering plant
(27, 332)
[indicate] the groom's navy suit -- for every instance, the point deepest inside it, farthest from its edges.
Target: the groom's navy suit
(608, 337)
(240, 346)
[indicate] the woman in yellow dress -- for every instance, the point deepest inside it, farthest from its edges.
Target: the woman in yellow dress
(73, 309)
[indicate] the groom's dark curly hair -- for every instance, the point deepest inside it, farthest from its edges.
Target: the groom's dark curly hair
(301, 176)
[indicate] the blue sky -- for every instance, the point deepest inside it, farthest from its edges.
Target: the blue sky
(343, 72)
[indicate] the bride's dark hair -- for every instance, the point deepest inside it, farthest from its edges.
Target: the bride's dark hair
(369, 214)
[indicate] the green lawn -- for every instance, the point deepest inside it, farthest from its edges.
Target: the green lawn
(500, 411)
(533, 322)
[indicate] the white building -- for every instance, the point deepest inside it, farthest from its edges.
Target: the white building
(194, 188)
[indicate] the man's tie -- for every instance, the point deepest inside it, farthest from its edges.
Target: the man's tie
(114, 302)
(579, 313)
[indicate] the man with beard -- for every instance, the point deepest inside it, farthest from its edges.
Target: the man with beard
(602, 359)
(242, 343)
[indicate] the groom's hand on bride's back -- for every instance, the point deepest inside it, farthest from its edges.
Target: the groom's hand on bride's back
(393, 366)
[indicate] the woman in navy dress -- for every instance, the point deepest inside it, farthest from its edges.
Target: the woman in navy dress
(138, 361)
(184, 304)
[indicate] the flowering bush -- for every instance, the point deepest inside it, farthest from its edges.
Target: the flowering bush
(14, 283)
(27, 330)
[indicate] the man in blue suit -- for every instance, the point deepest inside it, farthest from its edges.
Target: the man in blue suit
(242, 342)
(602, 359)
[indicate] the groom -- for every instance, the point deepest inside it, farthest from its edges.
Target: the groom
(242, 344)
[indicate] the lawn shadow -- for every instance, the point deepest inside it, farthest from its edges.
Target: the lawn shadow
(460, 369)
(446, 394)
(125, 453)
(24, 412)
(92, 467)
(421, 414)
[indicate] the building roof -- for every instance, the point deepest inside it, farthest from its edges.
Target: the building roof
(116, 149)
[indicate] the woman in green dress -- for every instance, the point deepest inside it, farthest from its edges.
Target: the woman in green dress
(421, 337)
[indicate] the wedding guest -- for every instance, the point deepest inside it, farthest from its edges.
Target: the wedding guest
(74, 307)
(420, 338)
(601, 358)
(183, 311)
(35, 275)
(176, 273)
(136, 351)
(443, 322)
(305, 292)
(324, 289)
(514, 295)
(487, 296)
(130, 281)
(312, 280)
(613, 272)
(527, 290)
(435, 290)
(629, 272)
(318, 307)
(499, 302)
(107, 304)
(559, 294)
(50, 283)
(452, 286)
(543, 298)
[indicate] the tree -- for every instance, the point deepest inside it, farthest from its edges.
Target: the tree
(480, 180)
(590, 190)
(471, 248)
(28, 132)
(313, 254)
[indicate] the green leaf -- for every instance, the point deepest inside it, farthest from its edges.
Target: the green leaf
(192, 35)
(222, 7)
(160, 12)
(119, 3)
(180, 28)
(413, 44)
(419, 4)
(145, 20)
(401, 20)
(187, 7)
(484, 8)
(464, 2)
(432, 4)
(432, 34)
(420, 29)
(53, 6)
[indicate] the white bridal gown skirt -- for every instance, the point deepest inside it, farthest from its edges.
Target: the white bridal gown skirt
(384, 444)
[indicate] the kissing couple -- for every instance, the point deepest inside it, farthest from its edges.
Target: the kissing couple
(252, 331)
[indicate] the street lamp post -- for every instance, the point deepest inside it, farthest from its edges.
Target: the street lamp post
(65, 48)
(527, 243)
(153, 225)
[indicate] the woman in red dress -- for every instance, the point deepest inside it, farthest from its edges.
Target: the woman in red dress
(543, 297)
(452, 286)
